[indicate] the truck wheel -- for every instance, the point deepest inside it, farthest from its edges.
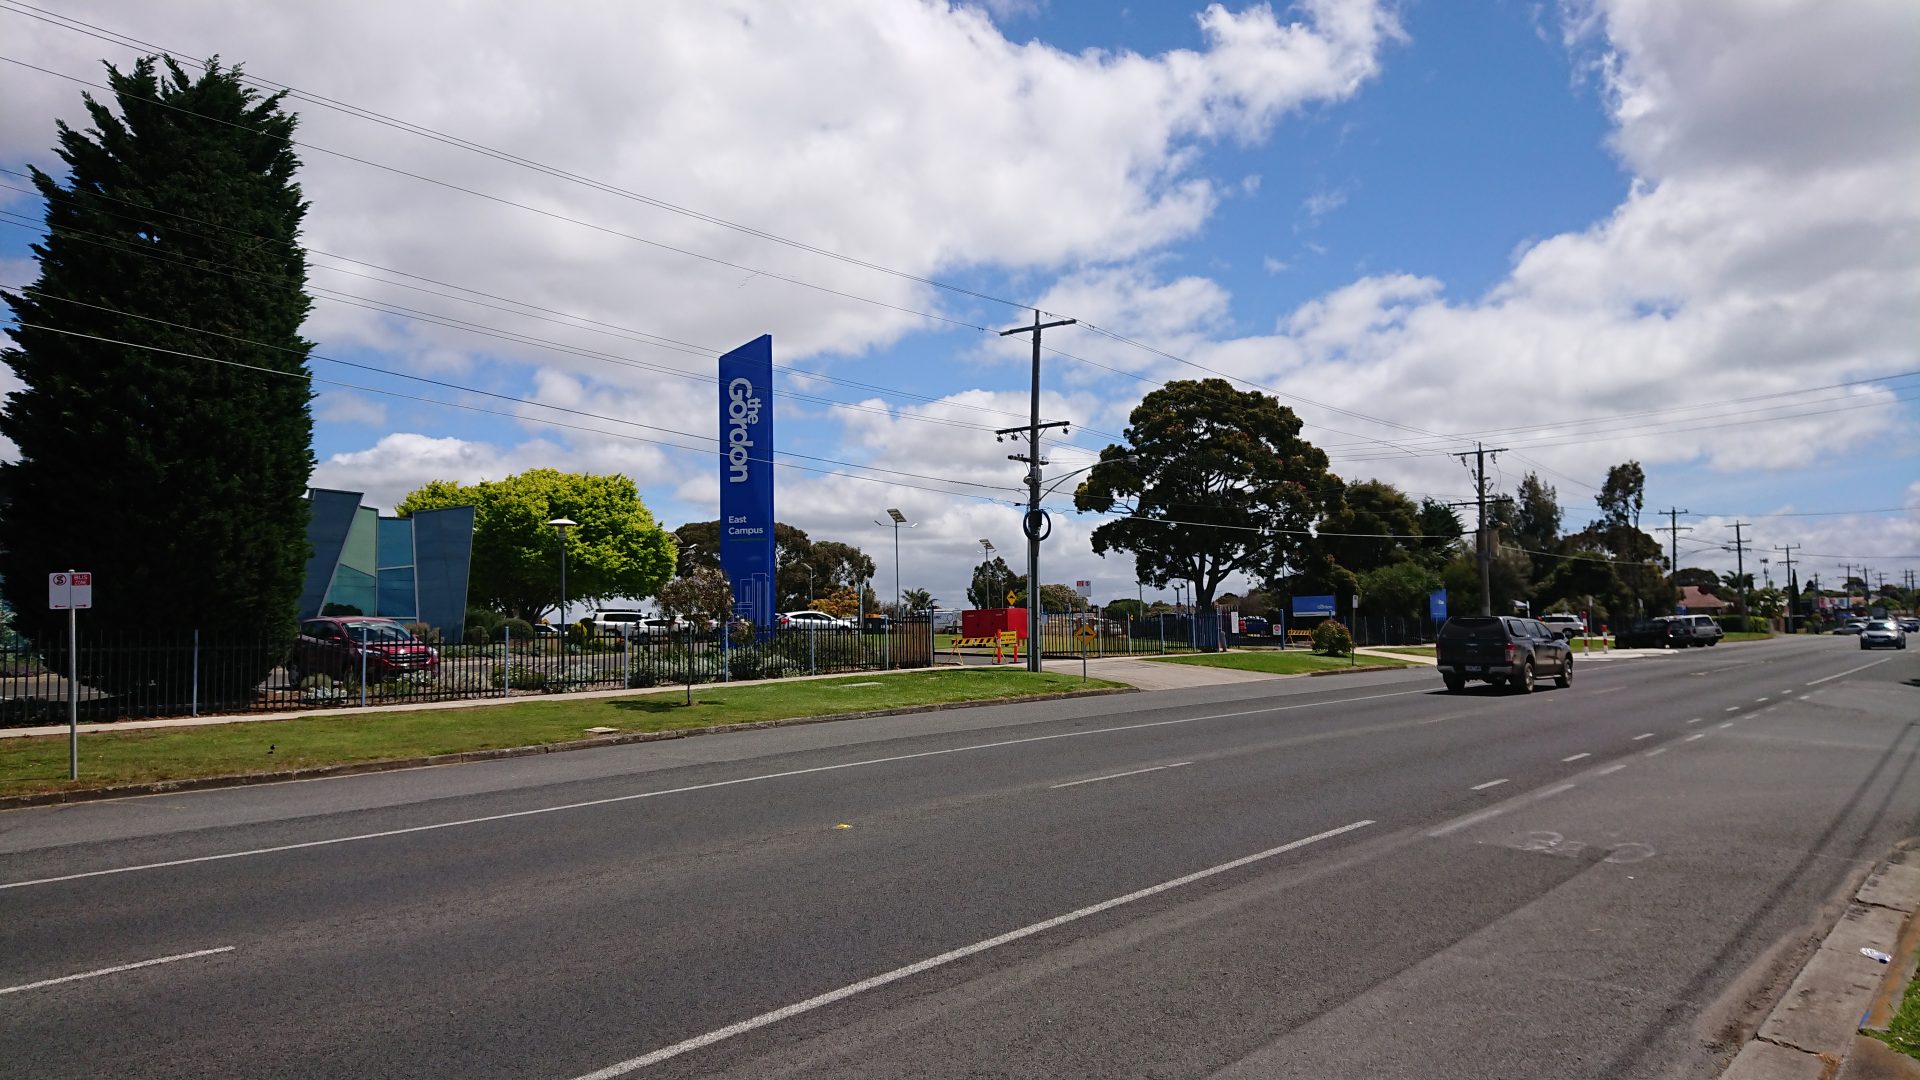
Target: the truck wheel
(1565, 678)
(1455, 683)
(1523, 682)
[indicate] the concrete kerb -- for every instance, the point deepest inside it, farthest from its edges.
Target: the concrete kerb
(162, 787)
(1814, 1030)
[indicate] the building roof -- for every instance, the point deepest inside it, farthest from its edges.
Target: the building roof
(1695, 599)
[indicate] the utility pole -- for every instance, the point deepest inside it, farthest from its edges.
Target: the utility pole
(1793, 589)
(1479, 455)
(1035, 525)
(1673, 542)
(1740, 564)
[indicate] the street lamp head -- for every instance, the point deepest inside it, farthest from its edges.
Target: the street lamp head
(563, 524)
(898, 517)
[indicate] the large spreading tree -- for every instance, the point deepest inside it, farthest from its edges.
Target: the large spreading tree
(615, 550)
(177, 477)
(1213, 481)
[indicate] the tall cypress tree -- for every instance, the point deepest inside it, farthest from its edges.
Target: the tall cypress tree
(178, 481)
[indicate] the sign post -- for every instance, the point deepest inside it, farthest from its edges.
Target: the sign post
(69, 592)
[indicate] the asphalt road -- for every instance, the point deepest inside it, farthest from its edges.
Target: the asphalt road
(1355, 876)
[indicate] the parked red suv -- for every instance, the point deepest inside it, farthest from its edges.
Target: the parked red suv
(332, 647)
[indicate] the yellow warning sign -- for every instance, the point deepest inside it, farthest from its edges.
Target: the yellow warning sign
(1009, 637)
(1086, 632)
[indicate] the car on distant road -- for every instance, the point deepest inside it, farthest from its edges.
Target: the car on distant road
(1698, 630)
(815, 621)
(1661, 632)
(1851, 626)
(1502, 650)
(1911, 626)
(340, 647)
(1883, 634)
(615, 622)
(1565, 625)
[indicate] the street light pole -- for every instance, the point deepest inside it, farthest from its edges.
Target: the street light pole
(993, 581)
(561, 525)
(899, 519)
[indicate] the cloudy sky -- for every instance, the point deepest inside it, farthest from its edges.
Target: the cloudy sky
(1592, 231)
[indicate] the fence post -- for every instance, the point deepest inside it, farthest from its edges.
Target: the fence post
(626, 652)
(194, 707)
(813, 659)
(363, 667)
(506, 661)
(689, 664)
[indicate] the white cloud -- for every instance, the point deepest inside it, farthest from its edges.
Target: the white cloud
(343, 407)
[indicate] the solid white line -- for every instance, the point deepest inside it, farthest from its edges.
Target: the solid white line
(1696, 737)
(611, 800)
(1555, 790)
(1656, 751)
(1610, 769)
(1118, 775)
(1850, 671)
(1472, 819)
(117, 968)
(1490, 783)
(1576, 757)
(1637, 738)
(828, 998)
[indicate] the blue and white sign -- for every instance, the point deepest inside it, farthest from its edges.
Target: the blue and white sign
(746, 478)
(1312, 605)
(1437, 605)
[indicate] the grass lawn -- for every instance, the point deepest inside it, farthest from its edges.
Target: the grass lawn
(109, 758)
(1279, 663)
(1903, 1029)
(1405, 650)
(1745, 635)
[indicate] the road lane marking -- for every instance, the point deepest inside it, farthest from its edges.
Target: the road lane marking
(831, 996)
(1758, 700)
(1555, 790)
(1118, 775)
(1724, 724)
(1695, 737)
(1731, 708)
(615, 799)
(1490, 783)
(1637, 738)
(1850, 671)
(116, 969)
(1576, 757)
(1656, 751)
(1696, 719)
(1610, 769)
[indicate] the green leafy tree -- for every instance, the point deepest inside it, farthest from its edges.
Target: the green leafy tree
(1399, 588)
(616, 550)
(179, 482)
(1057, 597)
(1374, 525)
(916, 600)
(1536, 523)
(1440, 533)
(1215, 481)
(804, 570)
(991, 580)
(1705, 580)
(1125, 608)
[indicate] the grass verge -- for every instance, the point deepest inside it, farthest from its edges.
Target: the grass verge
(1903, 1029)
(1280, 663)
(1747, 635)
(113, 758)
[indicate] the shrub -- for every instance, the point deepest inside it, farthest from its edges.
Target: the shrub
(642, 678)
(517, 629)
(426, 632)
(341, 610)
(1332, 639)
(518, 677)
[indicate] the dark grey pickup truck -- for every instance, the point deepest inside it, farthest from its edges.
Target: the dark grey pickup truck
(1502, 650)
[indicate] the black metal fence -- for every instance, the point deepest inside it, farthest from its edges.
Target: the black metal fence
(129, 677)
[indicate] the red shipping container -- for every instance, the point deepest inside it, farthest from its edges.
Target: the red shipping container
(988, 622)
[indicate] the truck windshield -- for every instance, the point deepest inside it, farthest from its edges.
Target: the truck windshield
(1487, 629)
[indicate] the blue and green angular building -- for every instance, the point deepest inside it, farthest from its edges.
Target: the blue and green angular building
(413, 569)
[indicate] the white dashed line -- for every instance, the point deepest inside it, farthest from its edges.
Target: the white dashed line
(1648, 735)
(116, 969)
(1576, 757)
(1656, 751)
(831, 996)
(1696, 737)
(1696, 719)
(1118, 775)
(1731, 708)
(1490, 783)
(1758, 700)
(1724, 724)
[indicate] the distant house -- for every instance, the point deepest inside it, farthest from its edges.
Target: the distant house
(1697, 601)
